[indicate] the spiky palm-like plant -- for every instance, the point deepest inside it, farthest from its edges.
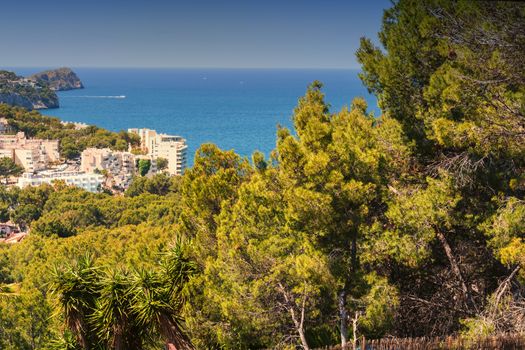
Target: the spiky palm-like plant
(113, 318)
(121, 310)
(77, 288)
(158, 298)
(67, 341)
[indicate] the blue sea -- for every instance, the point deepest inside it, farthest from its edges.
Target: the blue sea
(237, 109)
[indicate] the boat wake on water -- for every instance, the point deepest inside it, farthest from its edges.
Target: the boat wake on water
(90, 96)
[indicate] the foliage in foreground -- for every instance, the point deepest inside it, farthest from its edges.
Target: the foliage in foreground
(121, 309)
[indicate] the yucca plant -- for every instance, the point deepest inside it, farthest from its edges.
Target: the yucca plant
(116, 309)
(158, 298)
(113, 318)
(77, 288)
(67, 341)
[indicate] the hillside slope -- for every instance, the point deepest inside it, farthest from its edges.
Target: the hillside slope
(60, 79)
(22, 92)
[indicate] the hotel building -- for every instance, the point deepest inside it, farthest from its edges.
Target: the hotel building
(120, 166)
(171, 148)
(31, 154)
(88, 182)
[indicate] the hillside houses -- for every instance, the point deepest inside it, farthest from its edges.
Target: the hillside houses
(119, 167)
(97, 168)
(31, 154)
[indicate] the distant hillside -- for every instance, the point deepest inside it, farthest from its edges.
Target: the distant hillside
(58, 79)
(22, 92)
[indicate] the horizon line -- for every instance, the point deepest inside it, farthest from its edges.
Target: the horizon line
(178, 67)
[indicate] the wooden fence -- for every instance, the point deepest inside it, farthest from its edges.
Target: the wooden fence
(499, 342)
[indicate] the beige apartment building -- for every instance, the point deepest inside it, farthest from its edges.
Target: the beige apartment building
(31, 154)
(172, 148)
(120, 166)
(105, 158)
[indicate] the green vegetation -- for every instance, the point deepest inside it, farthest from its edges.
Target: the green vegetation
(161, 184)
(143, 166)
(121, 309)
(120, 233)
(58, 79)
(16, 91)
(9, 168)
(72, 141)
(162, 163)
(407, 224)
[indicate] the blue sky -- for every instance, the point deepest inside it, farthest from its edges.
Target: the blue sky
(192, 33)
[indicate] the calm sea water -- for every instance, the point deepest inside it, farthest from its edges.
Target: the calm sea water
(234, 108)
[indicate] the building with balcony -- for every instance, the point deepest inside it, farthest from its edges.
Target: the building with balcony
(88, 182)
(31, 154)
(172, 148)
(120, 166)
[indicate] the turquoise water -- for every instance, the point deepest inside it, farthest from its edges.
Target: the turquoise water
(234, 108)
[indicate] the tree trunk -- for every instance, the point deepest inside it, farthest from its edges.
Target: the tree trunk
(343, 313)
(118, 343)
(455, 269)
(354, 330)
(298, 323)
(174, 336)
(343, 317)
(304, 343)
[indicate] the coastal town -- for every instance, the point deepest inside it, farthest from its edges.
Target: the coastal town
(96, 170)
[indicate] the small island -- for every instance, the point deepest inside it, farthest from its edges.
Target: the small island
(60, 79)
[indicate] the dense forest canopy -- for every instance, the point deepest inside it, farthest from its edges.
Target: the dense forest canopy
(409, 224)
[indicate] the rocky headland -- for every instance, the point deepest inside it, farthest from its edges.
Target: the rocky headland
(60, 79)
(19, 91)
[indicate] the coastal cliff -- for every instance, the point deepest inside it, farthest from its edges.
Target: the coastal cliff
(22, 92)
(60, 79)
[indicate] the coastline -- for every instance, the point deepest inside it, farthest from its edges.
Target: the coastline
(237, 109)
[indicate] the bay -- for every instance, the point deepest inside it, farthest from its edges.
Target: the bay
(237, 109)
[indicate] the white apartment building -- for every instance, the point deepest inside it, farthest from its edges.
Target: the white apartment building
(89, 182)
(119, 165)
(31, 154)
(171, 148)
(6, 153)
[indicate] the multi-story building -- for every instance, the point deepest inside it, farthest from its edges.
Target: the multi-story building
(31, 154)
(148, 138)
(6, 153)
(89, 182)
(28, 158)
(120, 166)
(171, 148)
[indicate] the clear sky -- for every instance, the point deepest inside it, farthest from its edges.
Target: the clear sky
(190, 33)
